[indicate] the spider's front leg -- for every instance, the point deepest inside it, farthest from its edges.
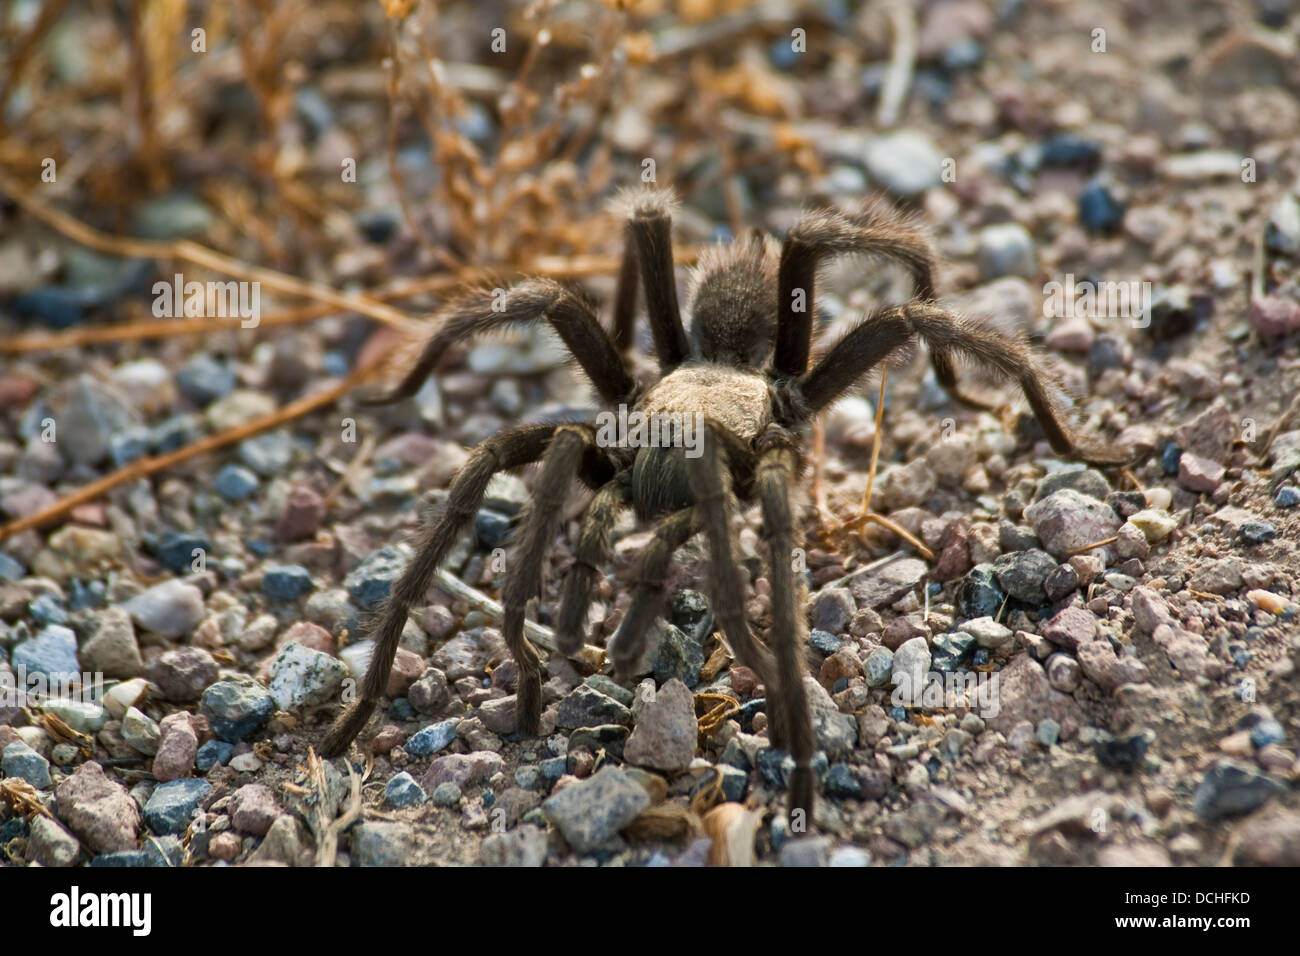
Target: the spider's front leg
(777, 473)
(485, 310)
(881, 333)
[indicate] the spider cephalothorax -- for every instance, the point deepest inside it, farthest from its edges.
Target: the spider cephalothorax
(741, 381)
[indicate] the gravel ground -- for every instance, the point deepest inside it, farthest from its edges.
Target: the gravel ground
(1137, 704)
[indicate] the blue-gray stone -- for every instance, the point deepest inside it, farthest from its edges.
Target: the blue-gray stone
(175, 432)
(1288, 496)
(176, 550)
(1257, 532)
(1069, 151)
(269, 455)
(1022, 573)
(211, 753)
(733, 755)
(949, 651)
(979, 594)
(1230, 788)
(530, 777)
(448, 794)
(20, 760)
(842, 782)
(53, 305)
(122, 859)
(690, 613)
(164, 851)
(370, 582)
(235, 483)
(585, 706)
(287, 582)
(403, 791)
(824, 641)
(431, 739)
(777, 765)
(236, 708)
(734, 783)
(203, 379)
(1267, 731)
(1169, 458)
(1099, 210)
(52, 652)
(48, 609)
(679, 656)
(172, 805)
(1122, 753)
(10, 568)
(1049, 732)
(879, 666)
(177, 215)
(491, 527)
(553, 768)
(129, 444)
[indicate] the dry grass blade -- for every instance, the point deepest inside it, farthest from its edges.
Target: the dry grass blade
(445, 581)
(666, 822)
(321, 821)
(144, 467)
(717, 708)
(21, 797)
(199, 255)
(57, 728)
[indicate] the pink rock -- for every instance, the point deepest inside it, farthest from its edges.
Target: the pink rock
(387, 738)
(1150, 610)
(1198, 474)
(407, 668)
(100, 812)
(253, 808)
(498, 715)
(1101, 665)
(461, 769)
(1024, 693)
(666, 733)
(1272, 316)
(743, 680)
(954, 555)
(304, 510)
(177, 746)
(1071, 335)
(843, 664)
(1071, 627)
(310, 635)
(225, 846)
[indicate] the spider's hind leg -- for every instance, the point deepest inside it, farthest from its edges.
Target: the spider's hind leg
(501, 453)
(561, 464)
(648, 596)
(591, 550)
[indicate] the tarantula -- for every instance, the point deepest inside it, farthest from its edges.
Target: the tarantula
(744, 369)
